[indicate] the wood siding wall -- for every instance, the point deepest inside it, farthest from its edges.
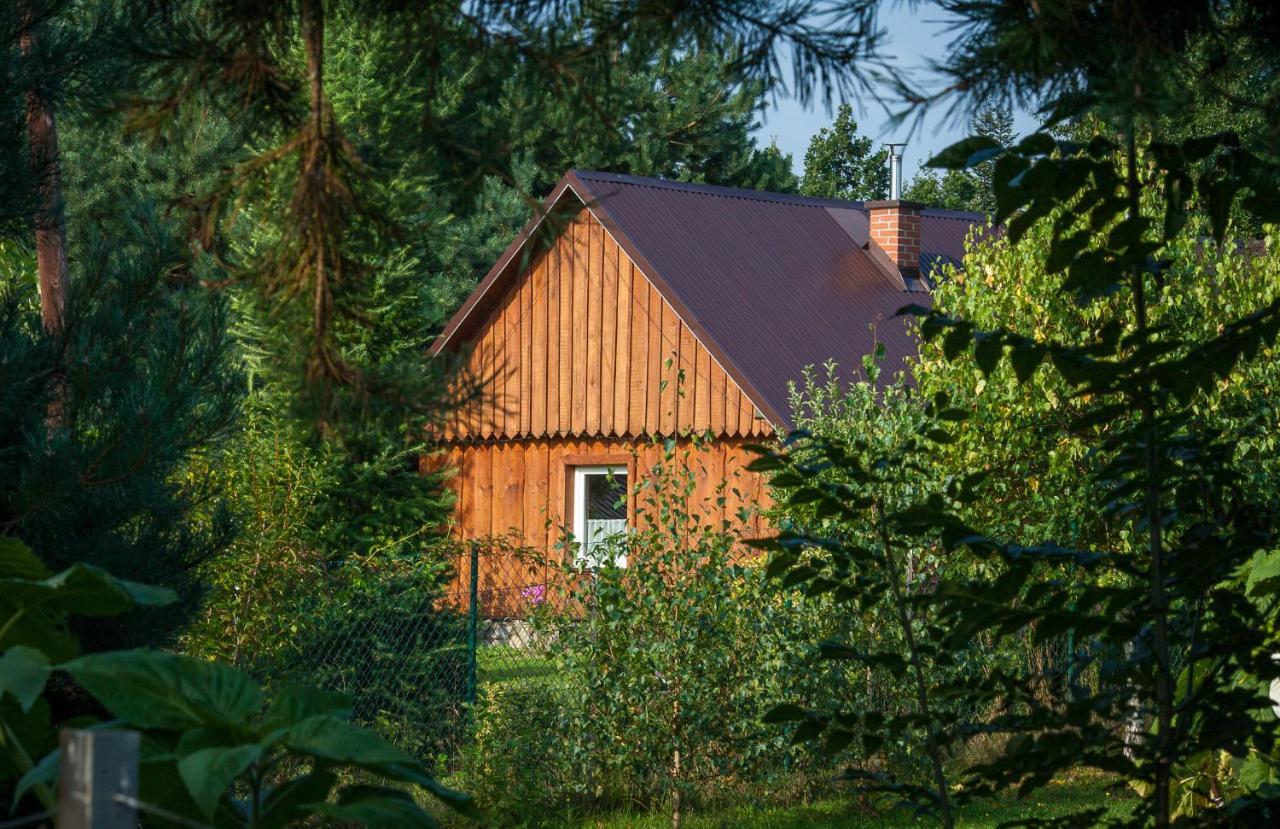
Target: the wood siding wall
(583, 345)
(522, 487)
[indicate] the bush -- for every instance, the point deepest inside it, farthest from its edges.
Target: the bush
(298, 597)
(401, 659)
(665, 669)
(515, 762)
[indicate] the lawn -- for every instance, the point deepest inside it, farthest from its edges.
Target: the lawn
(1057, 799)
(502, 663)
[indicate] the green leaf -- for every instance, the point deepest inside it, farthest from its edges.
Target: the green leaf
(986, 353)
(30, 731)
(209, 772)
(1025, 360)
(957, 341)
(1264, 575)
(837, 741)
(84, 590)
(296, 703)
(153, 689)
(375, 807)
(330, 739)
(289, 802)
(23, 674)
(939, 435)
(1257, 771)
(967, 152)
(787, 712)
(18, 562)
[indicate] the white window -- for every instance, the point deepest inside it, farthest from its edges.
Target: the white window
(599, 511)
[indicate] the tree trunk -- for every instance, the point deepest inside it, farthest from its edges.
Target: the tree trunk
(675, 793)
(50, 222)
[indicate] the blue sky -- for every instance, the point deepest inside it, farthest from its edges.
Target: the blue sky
(912, 37)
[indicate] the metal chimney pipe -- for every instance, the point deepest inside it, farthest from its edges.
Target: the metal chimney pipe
(895, 170)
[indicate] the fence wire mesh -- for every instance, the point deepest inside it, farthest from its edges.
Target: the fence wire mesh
(412, 661)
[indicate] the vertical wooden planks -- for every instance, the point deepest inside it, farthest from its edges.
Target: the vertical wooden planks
(622, 352)
(493, 368)
(702, 392)
(511, 483)
(466, 494)
(668, 422)
(535, 493)
(717, 497)
(540, 372)
(566, 331)
(637, 384)
(653, 389)
(699, 461)
(686, 377)
(581, 346)
(595, 280)
(553, 341)
(481, 511)
(719, 393)
(525, 403)
(556, 489)
(608, 332)
(519, 485)
(508, 365)
(484, 394)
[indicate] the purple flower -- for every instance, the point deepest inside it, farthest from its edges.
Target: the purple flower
(536, 594)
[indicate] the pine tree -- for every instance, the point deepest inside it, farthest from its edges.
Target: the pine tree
(113, 365)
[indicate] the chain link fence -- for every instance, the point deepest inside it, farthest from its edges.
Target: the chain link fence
(412, 661)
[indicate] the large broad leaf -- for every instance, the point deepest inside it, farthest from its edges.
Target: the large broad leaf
(25, 736)
(336, 741)
(967, 152)
(152, 689)
(1264, 574)
(209, 772)
(18, 562)
(1257, 770)
(23, 673)
(330, 739)
(375, 807)
(84, 590)
(295, 704)
(290, 802)
(42, 631)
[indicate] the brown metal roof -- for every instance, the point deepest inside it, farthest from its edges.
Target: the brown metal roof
(769, 283)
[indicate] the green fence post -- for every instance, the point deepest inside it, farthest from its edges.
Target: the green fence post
(473, 622)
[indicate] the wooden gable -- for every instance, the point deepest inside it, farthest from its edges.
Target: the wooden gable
(582, 344)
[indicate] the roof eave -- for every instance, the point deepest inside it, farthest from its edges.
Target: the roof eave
(482, 290)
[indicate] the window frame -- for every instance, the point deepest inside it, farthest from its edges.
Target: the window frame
(578, 502)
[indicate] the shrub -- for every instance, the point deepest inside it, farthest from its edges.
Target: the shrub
(668, 665)
(515, 762)
(399, 657)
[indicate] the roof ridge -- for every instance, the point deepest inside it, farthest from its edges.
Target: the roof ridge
(718, 190)
(747, 194)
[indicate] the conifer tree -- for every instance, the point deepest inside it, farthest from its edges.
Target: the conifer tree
(113, 370)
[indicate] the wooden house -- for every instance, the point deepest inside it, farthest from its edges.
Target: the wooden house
(631, 308)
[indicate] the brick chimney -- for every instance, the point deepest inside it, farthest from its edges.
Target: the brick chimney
(895, 229)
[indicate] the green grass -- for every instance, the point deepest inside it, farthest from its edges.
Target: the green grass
(503, 663)
(1057, 799)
